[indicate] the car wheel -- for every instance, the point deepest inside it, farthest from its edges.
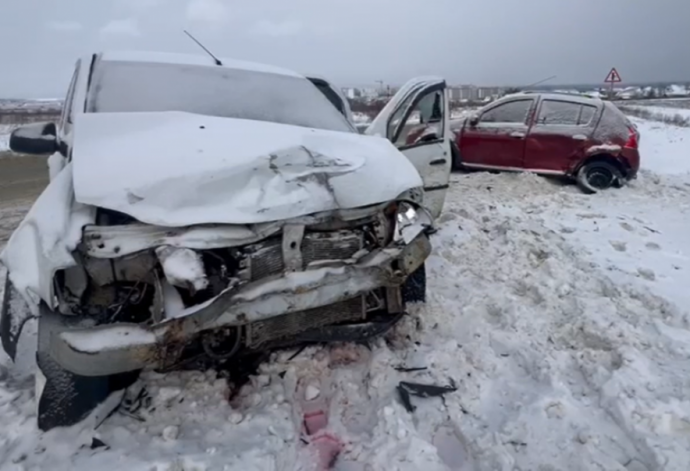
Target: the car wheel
(63, 398)
(455, 156)
(414, 288)
(597, 175)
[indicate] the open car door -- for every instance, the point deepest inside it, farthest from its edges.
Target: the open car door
(417, 121)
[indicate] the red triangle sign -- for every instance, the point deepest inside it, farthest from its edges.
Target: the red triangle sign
(613, 76)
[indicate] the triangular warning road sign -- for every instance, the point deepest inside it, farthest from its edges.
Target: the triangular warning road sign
(613, 76)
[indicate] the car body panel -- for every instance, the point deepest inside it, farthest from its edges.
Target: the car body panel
(190, 175)
(45, 239)
(557, 148)
(495, 144)
(431, 155)
(122, 347)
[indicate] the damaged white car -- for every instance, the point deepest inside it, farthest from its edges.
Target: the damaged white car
(197, 212)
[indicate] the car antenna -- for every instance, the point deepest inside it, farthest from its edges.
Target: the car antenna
(218, 62)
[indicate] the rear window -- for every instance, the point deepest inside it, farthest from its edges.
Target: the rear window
(213, 91)
(613, 126)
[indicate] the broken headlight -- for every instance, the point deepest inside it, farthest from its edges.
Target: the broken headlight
(410, 222)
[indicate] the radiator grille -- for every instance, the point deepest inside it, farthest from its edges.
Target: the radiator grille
(266, 258)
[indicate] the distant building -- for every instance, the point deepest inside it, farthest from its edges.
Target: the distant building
(676, 91)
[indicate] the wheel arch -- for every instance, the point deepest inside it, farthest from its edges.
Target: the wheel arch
(602, 157)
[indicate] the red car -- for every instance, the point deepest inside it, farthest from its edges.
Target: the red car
(586, 139)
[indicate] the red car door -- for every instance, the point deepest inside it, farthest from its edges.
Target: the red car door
(559, 136)
(496, 137)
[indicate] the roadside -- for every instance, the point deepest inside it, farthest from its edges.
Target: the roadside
(22, 178)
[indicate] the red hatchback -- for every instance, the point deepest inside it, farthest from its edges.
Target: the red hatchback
(583, 138)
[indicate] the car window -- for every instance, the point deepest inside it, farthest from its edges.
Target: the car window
(135, 87)
(398, 116)
(67, 107)
(559, 113)
(423, 119)
(328, 92)
(586, 115)
(511, 112)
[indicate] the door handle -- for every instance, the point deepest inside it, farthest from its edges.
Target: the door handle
(517, 134)
(580, 137)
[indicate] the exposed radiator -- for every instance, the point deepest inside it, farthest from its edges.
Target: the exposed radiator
(266, 258)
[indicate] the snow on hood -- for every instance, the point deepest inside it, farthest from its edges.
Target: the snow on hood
(179, 169)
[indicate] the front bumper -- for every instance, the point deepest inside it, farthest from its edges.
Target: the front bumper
(112, 349)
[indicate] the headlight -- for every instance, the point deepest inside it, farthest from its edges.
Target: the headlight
(409, 222)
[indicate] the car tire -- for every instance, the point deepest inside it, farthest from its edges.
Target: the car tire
(64, 398)
(455, 157)
(597, 176)
(414, 288)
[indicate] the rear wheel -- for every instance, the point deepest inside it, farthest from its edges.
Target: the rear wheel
(598, 175)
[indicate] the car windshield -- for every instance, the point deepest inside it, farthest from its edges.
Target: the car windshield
(120, 86)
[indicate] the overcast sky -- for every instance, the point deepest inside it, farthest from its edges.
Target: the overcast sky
(356, 42)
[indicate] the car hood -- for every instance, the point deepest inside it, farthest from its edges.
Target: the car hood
(179, 169)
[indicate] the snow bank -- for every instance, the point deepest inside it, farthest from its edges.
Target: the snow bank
(672, 115)
(664, 149)
(5, 137)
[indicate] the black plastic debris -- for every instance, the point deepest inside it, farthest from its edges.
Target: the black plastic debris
(404, 369)
(406, 390)
(97, 443)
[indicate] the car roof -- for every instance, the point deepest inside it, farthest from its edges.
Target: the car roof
(576, 98)
(192, 59)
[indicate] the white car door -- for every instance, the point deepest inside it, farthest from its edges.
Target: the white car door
(417, 121)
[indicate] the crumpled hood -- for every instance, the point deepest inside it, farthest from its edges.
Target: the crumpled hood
(179, 169)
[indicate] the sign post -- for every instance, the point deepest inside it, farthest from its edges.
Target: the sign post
(611, 78)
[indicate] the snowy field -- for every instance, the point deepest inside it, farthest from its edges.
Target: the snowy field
(666, 111)
(4, 137)
(561, 318)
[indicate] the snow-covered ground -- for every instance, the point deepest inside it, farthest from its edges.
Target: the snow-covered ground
(561, 318)
(4, 137)
(666, 111)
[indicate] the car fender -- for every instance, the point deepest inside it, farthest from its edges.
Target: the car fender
(14, 314)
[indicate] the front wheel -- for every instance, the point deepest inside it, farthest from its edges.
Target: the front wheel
(598, 175)
(63, 398)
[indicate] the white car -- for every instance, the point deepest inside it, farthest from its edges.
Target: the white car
(199, 212)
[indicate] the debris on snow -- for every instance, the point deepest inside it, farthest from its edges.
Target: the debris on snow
(311, 392)
(406, 389)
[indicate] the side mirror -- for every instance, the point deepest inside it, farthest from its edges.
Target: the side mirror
(473, 120)
(36, 139)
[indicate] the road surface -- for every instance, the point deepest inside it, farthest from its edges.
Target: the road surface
(22, 178)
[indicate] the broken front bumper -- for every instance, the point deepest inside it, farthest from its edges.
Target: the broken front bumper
(117, 348)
